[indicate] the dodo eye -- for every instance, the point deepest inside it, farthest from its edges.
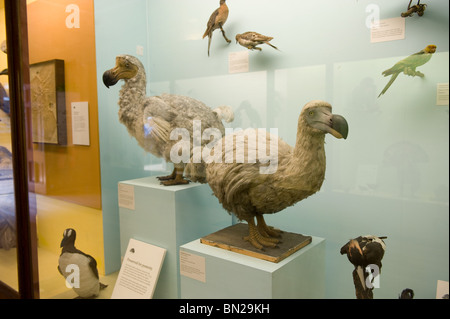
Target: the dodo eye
(311, 113)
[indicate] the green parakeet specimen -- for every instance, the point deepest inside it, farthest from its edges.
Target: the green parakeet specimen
(408, 65)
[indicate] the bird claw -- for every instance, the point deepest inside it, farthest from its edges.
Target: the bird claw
(259, 241)
(175, 181)
(165, 178)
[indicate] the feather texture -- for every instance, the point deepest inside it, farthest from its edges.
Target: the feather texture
(244, 191)
(152, 119)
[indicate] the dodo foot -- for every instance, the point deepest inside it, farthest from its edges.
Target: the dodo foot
(259, 241)
(176, 181)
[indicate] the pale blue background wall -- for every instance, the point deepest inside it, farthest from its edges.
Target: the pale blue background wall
(390, 177)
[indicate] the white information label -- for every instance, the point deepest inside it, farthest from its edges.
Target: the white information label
(139, 272)
(192, 266)
(388, 30)
(442, 289)
(126, 196)
(442, 94)
(80, 123)
(238, 62)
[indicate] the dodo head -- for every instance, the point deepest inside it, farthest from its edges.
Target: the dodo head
(127, 67)
(319, 118)
(69, 237)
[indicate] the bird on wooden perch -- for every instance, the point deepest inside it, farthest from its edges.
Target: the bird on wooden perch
(216, 21)
(362, 252)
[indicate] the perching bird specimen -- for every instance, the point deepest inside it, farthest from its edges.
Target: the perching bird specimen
(407, 293)
(87, 285)
(250, 40)
(408, 65)
(216, 21)
(248, 191)
(362, 252)
(419, 8)
(152, 119)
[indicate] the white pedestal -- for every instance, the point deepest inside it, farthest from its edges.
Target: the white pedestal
(232, 275)
(168, 217)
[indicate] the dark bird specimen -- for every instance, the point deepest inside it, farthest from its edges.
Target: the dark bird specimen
(246, 192)
(89, 283)
(216, 21)
(250, 40)
(406, 294)
(151, 119)
(362, 252)
(408, 65)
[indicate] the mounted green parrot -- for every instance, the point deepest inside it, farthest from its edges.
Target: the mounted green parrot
(408, 65)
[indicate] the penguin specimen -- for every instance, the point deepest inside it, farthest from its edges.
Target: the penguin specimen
(79, 268)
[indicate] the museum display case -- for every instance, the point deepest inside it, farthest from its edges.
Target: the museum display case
(124, 123)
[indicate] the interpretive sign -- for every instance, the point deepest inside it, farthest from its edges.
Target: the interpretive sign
(139, 271)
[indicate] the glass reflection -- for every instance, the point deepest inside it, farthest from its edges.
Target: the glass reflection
(8, 258)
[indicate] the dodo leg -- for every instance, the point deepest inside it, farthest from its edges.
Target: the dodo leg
(267, 231)
(255, 238)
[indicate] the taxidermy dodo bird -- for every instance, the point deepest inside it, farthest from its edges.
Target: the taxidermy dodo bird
(245, 192)
(74, 262)
(151, 119)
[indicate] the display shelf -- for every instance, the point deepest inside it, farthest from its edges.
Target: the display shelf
(168, 217)
(228, 274)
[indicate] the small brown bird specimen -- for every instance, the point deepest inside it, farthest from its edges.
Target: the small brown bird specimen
(419, 8)
(216, 21)
(250, 40)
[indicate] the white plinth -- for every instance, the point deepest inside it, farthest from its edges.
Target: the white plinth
(232, 275)
(168, 217)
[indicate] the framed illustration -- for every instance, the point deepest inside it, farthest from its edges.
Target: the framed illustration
(48, 102)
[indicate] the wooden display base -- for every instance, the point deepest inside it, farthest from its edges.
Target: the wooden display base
(231, 238)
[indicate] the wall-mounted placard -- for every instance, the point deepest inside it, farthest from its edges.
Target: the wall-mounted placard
(442, 94)
(388, 30)
(126, 196)
(238, 62)
(80, 123)
(192, 266)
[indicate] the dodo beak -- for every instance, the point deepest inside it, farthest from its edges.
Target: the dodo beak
(339, 126)
(110, 78)
(322, 119)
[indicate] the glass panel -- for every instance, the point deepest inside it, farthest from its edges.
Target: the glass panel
(65, 170)
(389, 178)
(8, 257)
